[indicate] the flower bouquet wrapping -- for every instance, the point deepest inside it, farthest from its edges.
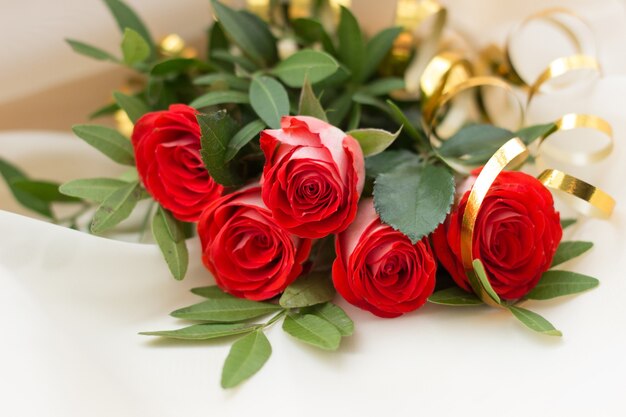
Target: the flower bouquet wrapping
(314, 162)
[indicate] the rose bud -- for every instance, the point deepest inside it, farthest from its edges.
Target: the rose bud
(516, 235)
(167, 151)
(313, 176)
(378, 268)
(249, 255)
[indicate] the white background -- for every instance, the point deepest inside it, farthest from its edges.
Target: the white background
(71, 304)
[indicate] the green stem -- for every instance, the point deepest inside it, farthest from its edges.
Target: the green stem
(275, 318)
(144, 223)
(72, 219)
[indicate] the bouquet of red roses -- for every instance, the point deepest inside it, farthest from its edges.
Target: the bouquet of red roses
(319, 170)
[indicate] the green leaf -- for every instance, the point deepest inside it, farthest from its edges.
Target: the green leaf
(374, 141)
(534, 321)
(116, 207)
(127, 18)
(246, 357)
(43, 190)
(204, 331)
(531, 133)
(269, 100)
(377, 48)
(217, 39)
(134, 48)
(387, 161)
(559, 283)
(212, 291)
(335, 316)
(454, 296)
(217, 129)
(133, 106)
(108, 141)
(220, 97)
(309, 104)
(383, 86)
(251, 35)
(93, 189)
(226, 57)
(312, 31)
(400, 118)
(91, 51)
(313, 330)
(231, 81)
(355, 117)
(314, 65)
(568, 250)
(242, 138)
(106, 110)
(308, 290)
(476, 142)
(414, 198)
(12, 174)
(479, 269)
(226, 310)
(169, 235)
(351, 45)
(339, 108)
(565, 223)
(177, 65)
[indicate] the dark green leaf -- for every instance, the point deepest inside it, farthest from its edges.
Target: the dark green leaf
(559, 283)
(310, 64)
(91, 51)
(565, 223)
(400, 118)
(374, 141)
(246, 357)
(241, 138)
(43, 190)
(269, 100)
(339, 108)
(168, 234)
(220, 97)
(116, 207)
(127, 18)
(311, 31)
(351, 45)
(108, 141)
(355, 117)
(177, 66)
(93, 189)
(105, 110)
(454, 296)
(230, 80)
(568, 250)
(335, 316)
(134, 48)
(313, 330)
(478, 142)
(11, 174)
(309, 103)
(534, 321)
(308, 290)
(203, 331)
(387, 161)
(483, 281)
(414, 198)
(229, 309)
(217, 39)
(226, 57)
(377, 48)
(531, 133)
(383, 86)
(212, 291)
(133, 106)
(217, 129)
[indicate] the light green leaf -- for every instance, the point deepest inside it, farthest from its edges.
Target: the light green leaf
(220, 97)
(230, 80)
(212, 291)
(204, 331)
(309, 104)
(351, 45)
(93, 189)
(169, 235)
(12, 174)
(414, 198)
(454, 296)
(108, 141)
(565, 223)
(383, 86)
(534, 321)
(133, 106)
(242, 138)
(308, 290)
(116, 207)
(91, 51)
(216, 130)
(251, 35)
(377, 48)
(335, 316)
(226, 310)
(568, 250)
(559, 283)
(134, 48)
(269, 100)
(127, 18)
(314, 65)
(313, 330)
(246, 357)
(387, 161)
(374, 141)
(483, 281)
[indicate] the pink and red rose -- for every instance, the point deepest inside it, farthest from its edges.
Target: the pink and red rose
(249, 255)
(167, 151)
(516, 235)
(378, 269)
(313, 176)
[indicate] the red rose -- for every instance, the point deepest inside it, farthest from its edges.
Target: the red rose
(249, 255)
(167, 150)
(378, 269)
(313, 176)
(516, 235)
